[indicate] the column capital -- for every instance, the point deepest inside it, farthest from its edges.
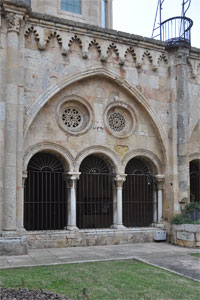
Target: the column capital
(24, 176)
(13, 22)
(119, 179)
(160, 180)
(71, 178)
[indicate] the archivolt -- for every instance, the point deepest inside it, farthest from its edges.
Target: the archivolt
(158, 167)
(92, 72)
(65, 155)
(113, 159)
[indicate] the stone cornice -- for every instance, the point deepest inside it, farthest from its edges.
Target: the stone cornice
(18, 3)
(49, 21)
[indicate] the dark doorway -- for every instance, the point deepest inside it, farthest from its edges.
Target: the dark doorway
(45, 194)
(195, 181)
(94, 194)
(138, 194)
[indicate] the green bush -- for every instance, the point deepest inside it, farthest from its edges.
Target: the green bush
(190, 215)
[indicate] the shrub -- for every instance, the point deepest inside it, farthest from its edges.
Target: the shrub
(189, 215)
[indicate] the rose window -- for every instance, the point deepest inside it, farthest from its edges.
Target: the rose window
(71, 117)
(117, 121)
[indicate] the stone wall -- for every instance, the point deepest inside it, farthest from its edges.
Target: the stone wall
(101, 237)
(187, 235)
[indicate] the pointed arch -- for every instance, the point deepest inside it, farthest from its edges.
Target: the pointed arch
(92, 72)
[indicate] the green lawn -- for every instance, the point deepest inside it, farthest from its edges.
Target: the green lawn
(104, 280)
(195, 254)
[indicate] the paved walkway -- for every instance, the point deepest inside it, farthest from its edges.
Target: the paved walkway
(173, 258)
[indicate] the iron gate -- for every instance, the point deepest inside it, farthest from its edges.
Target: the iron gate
(138, 193)
(195, 181)
(94, 194)
(45, 196)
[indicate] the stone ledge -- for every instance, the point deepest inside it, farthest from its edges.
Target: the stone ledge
(60, 239)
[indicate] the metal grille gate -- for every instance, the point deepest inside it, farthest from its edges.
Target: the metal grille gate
(195, 181)
(45, 197)
(94, 195)
(138, 195)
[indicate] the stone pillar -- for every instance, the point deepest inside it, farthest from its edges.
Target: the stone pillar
(71, 186)
(117, 201)
(160, 186)
(182, 123)
(13, 22)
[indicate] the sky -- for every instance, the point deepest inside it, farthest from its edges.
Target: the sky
(137, 16)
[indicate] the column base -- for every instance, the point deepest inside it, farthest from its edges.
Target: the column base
(117, 226)
(13, 243)
(71, 228)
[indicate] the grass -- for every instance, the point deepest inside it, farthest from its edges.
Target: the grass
(195, 254)
(104, 280)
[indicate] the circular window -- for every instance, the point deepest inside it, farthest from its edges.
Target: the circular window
(71, 117)
(116, 121)
(120, 119)
(74, 115)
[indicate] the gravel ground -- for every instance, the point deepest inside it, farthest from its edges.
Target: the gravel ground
(24, 294)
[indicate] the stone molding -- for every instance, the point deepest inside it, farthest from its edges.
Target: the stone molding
(47, 146)
(97, 149)
(157, 165)
(194, 156)
(89, 73)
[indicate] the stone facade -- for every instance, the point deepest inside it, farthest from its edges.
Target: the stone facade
(48, 62)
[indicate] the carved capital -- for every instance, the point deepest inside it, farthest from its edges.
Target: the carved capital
(13, 21)
(119, 180)
(71, 179)
(24, 176)
(160, 180)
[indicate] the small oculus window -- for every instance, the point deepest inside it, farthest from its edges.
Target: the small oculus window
(73, 6)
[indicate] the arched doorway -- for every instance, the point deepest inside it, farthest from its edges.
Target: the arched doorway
(195, 181)
(94, 194)
(138, 194)
(45, 194)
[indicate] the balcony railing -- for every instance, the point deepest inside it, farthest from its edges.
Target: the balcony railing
(176, 31)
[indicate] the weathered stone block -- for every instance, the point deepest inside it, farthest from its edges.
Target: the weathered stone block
(183, 243)
(185, 236)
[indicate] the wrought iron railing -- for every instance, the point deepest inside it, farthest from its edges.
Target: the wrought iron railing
(176, 31)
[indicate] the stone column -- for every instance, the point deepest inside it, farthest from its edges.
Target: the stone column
(71, 186)
(155, 207)
(117, 201)
(21, 208)
(13, 22)
(160, 186)
(182, 123)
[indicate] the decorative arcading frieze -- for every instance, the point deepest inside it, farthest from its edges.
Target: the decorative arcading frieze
(95, 44)
(104, 47)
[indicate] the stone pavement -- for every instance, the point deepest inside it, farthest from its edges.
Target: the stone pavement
(172, 258)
